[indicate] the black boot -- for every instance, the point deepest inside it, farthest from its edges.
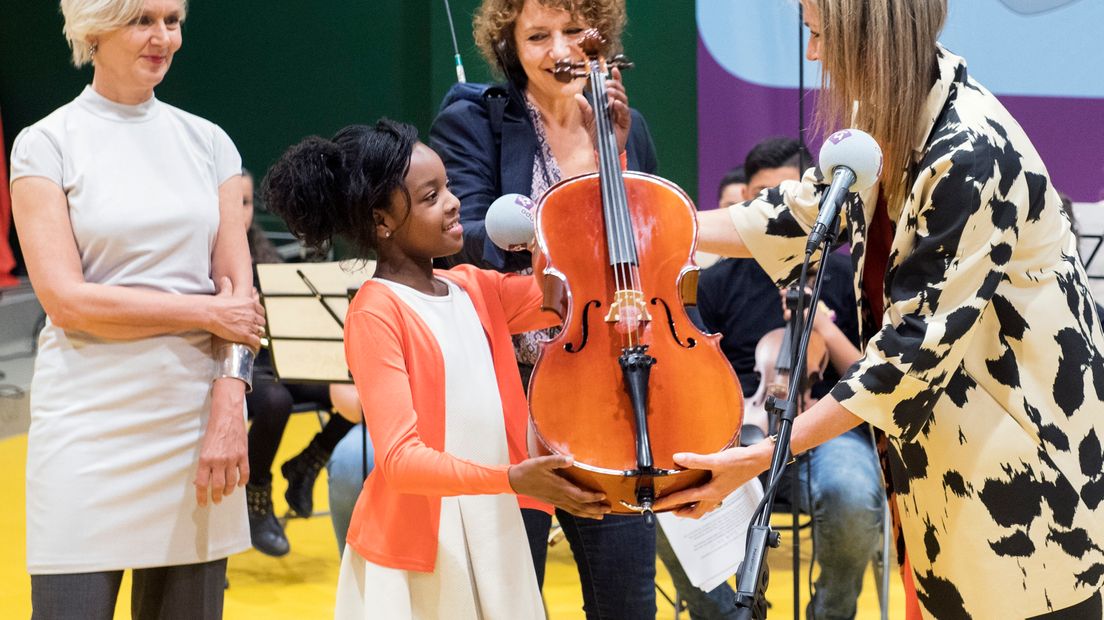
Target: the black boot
(301, 471)
(264, 530)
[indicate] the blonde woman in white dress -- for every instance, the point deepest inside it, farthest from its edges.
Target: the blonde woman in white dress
(129, 214)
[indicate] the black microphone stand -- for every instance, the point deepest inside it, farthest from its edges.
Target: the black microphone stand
(752, 576)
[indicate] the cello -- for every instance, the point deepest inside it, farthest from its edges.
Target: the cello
(629, 380)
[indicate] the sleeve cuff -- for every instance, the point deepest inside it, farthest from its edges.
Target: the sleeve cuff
(777, 255)
(882, 394)
(500, 480)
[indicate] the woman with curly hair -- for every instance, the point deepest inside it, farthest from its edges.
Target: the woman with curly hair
(523, 137)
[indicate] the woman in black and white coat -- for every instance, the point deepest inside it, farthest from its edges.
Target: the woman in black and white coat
(984, 364)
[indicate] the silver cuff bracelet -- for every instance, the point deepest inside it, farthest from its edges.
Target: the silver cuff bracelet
(236, 361)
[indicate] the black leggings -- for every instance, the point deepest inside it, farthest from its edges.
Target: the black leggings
(161, 593)
(270, 405)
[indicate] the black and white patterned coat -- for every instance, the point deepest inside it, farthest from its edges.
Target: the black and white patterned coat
(985, 371)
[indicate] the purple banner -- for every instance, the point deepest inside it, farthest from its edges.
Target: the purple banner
(734, 114)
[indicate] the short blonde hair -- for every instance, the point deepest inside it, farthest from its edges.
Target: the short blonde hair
(87, 18)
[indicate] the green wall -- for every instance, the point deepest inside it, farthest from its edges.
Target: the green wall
(273, 72)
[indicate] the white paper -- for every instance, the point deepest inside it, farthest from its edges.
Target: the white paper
(710, 549)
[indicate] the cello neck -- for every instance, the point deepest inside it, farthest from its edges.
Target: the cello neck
(615, 205)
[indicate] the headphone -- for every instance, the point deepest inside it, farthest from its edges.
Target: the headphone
(508, 60)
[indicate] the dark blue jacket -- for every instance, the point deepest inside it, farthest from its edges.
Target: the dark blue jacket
(482, 166)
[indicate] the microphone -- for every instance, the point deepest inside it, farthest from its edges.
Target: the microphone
(509, 222)
(854, 160)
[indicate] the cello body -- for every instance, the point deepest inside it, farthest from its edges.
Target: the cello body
(579, 398)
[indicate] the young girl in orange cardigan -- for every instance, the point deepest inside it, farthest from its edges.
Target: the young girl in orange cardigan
(437, 531)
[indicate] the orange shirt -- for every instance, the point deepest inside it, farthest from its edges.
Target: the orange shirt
(399, 373)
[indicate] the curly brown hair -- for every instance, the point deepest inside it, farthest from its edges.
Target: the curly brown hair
(494, 28)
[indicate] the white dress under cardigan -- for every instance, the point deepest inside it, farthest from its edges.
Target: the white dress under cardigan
(116, 426)
(484, 568)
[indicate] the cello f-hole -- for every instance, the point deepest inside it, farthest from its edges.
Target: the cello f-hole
(570, 347)
(689, 343)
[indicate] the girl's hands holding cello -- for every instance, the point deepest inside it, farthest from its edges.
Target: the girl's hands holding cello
(537, 478)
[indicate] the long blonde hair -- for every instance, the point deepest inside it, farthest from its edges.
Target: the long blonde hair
(881, 53)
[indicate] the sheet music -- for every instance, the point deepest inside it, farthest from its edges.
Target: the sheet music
(710, 549)
(305, 304)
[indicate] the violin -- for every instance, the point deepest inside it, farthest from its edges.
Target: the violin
(629, 380)
(774, 365)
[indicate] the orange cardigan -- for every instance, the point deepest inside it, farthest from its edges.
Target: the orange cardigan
(399, 373)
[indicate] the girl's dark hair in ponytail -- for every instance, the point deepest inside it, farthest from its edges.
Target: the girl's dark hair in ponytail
(323, 188)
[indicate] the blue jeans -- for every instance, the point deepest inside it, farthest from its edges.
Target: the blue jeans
(839, 484)
(616, 561)
(345, 474)
(538, 524)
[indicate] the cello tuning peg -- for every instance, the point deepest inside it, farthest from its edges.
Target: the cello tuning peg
(621, 62)
(566, 71)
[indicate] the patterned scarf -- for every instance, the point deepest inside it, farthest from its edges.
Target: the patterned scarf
(546, 173)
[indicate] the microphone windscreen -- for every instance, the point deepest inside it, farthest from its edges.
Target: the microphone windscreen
(509, 221)
(856, 150)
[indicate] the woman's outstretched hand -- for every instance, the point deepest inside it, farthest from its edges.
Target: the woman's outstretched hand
(730, 469)
(537, 478)
(618, 110)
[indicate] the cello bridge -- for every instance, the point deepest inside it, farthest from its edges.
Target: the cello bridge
(628, 308)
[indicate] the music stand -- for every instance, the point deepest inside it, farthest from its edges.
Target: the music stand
(305, 306)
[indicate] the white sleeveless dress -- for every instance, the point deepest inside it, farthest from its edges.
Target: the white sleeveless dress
(116, 425)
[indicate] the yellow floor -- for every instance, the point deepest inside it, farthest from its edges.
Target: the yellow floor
(300, 585)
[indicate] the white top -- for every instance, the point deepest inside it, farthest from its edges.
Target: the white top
(142, 185)
(483, 567)
(116, 425)
(473, 406)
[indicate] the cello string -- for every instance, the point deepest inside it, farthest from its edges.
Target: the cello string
(634, 265)
(611, 216)
(625, 237)
(611, 168)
